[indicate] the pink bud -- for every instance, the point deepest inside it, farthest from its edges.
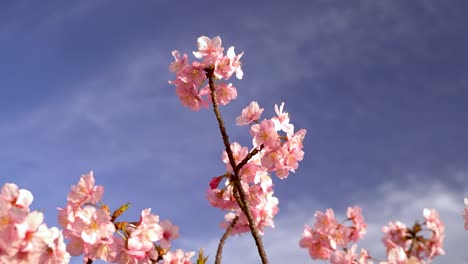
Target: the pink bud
(215, 182)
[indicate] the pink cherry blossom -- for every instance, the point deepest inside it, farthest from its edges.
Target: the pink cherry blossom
(284, 158)
(75, 245)
(209, 49)
(24, 238)
(329, 239)
(465, 216)
(127, 257)
(85, 191)
(432, 220)
(225, 93)
(274, 159)
(359, 226)
(396, 255)
(265, 133)
(394, 235)
(282, 120)
(56, 249)
(18, 197)
(263, 206)
(260, 176)
(107, 250)
(292, 152)
(147, 232)
(10, 216)
(27, 228)
(178, 257)
(193, 73)
(170, 233)
(263, 213)
(325, 222)
(93, 224)
(191, 77)
(364, 257)
(249, 114)
(179, 62)
(317, 243)
(397, 235)
(189, 95)
(435, 243)
(238, 152)
(342, 257)
(229, 64)
(222, 199)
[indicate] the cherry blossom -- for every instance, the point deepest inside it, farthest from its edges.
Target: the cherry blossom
(85, 191)
(228, 65)
(282, 120)
(249, 114)
(394, 235)
(189, 95)
(413, 240)
(178, 257)
(265, 133)
(355, 215)
(465, 213)
(238, 152)
(328, 239)
(24, 238)
(179, 62)
(225, 93)
(191, 77)
(93, 224)
(208, 48)
(170, 233)
(342, 257)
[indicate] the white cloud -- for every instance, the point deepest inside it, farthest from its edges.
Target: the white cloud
(389, 202)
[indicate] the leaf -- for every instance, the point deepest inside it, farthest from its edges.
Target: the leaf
(120, 211)
(201, 259)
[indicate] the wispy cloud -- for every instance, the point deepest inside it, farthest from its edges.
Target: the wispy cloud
(117, 122)
(390, 201)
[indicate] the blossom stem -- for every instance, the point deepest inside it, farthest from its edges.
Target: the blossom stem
(237, 180)
(248, 157)
(223, 239)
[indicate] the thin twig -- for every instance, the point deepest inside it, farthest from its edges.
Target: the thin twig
(248, 157)
(219, 252)
(237, 181)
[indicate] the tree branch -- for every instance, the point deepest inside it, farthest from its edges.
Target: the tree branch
(237, 180)
(219, 252)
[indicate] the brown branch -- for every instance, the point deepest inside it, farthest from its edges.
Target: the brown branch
(223, 239)
(248, 157)
(237, 181)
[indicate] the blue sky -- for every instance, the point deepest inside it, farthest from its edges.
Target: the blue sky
(380, 86)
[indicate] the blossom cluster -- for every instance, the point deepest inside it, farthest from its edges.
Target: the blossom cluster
(412, 240)
(24, 238)
(94, 232)
(191, 86)
(329, 240)
(276, 153)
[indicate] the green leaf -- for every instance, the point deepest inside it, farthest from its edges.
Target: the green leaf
(201, 259)
(120, 211)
